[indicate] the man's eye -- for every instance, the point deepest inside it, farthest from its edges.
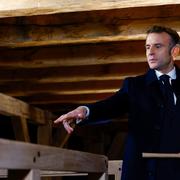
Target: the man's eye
(147, 47)
(158, 46)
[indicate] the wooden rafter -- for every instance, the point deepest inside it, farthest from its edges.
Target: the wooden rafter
(122, 30)
(32, 7)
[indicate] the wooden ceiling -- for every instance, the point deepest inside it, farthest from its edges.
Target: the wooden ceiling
(60, 54)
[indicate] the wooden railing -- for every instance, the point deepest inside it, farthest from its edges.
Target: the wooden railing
(21, 113)
(25, 161)
(161, 155)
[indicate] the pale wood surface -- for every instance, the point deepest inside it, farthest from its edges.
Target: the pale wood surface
(161, 155)
(115, 168)
(34, 174)
(19, 155)
(33, 7)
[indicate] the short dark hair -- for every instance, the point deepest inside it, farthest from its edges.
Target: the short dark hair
(172, 33)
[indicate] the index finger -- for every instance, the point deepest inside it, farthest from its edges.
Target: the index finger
(66, 117)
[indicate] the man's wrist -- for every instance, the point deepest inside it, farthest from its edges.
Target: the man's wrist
(87, 111)
(86, 114)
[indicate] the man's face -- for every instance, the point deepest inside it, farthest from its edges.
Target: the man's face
(158, 52)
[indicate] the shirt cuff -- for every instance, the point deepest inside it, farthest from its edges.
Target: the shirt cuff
(86, 116)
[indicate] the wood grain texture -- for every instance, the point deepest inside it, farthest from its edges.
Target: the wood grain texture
(32, 156)
(14, 107)
(33, 7)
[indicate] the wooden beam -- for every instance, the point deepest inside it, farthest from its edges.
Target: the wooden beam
(55, 98)
(19, 155)
(161, 155)
(104, 16)
(14, 107)
(61, 56)
(82, 87)
(122, 30)
(72, 74)
(68, 56)
(79, 34)
(32, 7)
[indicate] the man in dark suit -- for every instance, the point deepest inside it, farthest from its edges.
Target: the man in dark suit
(154, 120)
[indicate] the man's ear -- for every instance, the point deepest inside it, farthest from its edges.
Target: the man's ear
(175, 51)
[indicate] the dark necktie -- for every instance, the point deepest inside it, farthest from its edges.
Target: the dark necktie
(167, 91)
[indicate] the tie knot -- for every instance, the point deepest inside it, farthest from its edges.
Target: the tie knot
(164, 78)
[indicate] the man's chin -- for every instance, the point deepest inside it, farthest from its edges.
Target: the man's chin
(153, 67)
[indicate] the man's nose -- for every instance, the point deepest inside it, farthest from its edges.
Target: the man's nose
(151, 50)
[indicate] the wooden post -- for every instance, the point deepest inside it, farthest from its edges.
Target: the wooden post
(20, 128)
(115, 168)
(44, 135)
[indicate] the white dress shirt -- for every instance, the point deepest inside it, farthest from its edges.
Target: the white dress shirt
(172, 75)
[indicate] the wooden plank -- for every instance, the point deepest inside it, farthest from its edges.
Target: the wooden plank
(43, 173)
(63, 56)
(19, 155)
(39, 59)
(33, 7)
(161, 155)
(40, 36)
(34, 173)
(122, 30)
(61, 173)
(3, 173)
(55, 98)
(83, 87)
(73, 74)
(20, 128)
(115, 168)
(14, 107)
(104, 16)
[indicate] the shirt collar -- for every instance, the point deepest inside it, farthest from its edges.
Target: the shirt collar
(172, 73)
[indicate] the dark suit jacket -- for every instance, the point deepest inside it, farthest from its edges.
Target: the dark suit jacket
(152, 126)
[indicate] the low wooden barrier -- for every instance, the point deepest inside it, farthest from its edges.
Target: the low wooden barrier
(25, 160)
(161, 155)
(115, 168)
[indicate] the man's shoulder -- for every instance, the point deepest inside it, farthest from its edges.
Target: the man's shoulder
(138, 78)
